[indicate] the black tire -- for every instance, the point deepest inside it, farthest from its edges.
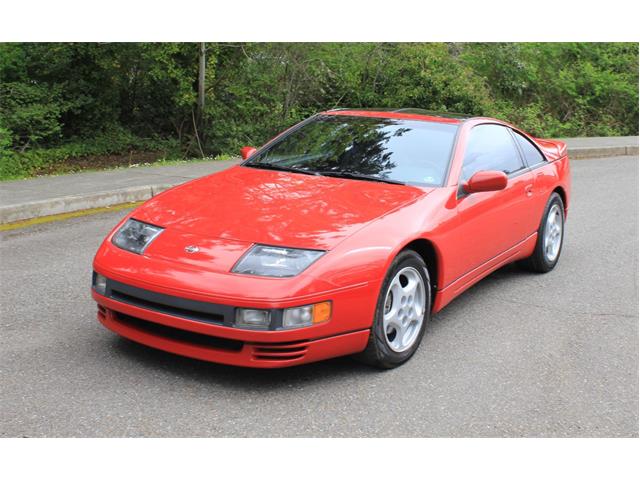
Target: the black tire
(378, 353)
(538, 261)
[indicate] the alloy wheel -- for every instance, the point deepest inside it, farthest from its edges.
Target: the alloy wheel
(404, 308)
(553, 233)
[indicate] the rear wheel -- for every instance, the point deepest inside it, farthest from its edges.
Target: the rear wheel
(550, 238)
(401, 314)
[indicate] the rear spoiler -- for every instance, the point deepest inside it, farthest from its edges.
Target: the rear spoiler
(552, 149)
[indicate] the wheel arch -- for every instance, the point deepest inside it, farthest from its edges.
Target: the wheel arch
(563, 195)
(429, 253)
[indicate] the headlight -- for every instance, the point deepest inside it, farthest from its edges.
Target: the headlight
(135, 236)
(306, 316)
(267, 261)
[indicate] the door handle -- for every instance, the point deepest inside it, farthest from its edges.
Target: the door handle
(528, 190)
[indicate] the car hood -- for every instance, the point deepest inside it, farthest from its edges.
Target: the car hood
(249, 205)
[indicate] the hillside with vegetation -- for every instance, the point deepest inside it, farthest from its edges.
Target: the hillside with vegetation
(74, 106)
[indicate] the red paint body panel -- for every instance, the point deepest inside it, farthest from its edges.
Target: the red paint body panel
(275, 208)
(362, 226)
(553, 149)
(252, 353)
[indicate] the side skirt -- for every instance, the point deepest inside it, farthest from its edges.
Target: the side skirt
(455, 288)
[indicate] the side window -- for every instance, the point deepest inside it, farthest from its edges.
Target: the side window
(531, 154)
(490, 147)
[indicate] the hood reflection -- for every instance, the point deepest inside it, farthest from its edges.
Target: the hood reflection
(280, 208)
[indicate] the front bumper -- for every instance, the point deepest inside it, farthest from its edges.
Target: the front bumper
(211, 338)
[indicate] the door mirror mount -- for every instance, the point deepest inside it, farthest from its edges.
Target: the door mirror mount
(246, 152)
(485, 181)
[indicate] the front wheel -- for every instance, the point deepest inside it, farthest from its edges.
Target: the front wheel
(401, 314)
(550, 238)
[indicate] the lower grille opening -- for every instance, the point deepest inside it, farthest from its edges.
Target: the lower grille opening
(172, 333)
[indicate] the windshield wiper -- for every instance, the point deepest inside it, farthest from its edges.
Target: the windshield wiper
(327, 173)
(359, 176)
(280, 168)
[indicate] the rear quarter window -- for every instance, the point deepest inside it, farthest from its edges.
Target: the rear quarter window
(531, 154)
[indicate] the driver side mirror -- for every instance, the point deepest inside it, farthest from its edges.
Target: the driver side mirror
(485, 181)
(246, 152)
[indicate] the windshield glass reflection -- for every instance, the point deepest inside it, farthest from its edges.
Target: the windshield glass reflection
(407, 151)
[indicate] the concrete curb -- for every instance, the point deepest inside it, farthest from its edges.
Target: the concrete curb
(73, 203)
(583, 153)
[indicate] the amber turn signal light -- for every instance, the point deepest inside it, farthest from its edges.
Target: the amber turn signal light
(297, 317)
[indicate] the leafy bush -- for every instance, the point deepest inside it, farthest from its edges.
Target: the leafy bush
(561, 89)
(15, 164)
(8, 167)
(30, 112)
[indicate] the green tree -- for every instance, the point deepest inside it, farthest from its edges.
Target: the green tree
(59, 101)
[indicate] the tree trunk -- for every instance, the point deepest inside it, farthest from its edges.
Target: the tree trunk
(201, 76)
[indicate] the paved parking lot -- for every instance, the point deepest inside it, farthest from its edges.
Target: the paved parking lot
(517, 355)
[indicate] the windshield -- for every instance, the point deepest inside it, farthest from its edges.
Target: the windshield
(384, 149)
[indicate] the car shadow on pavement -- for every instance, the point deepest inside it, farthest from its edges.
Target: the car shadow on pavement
(241, 377)
(336, 369)
(492, 285)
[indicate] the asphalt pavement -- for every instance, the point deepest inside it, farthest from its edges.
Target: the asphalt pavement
(519, 354)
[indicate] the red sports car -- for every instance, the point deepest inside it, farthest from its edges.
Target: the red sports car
(342, 235)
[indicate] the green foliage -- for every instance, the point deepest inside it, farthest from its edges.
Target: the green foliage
(64, 101)
(6, 154)
(30, 112)
(561, 89)
(549, 89)
(15, 164)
